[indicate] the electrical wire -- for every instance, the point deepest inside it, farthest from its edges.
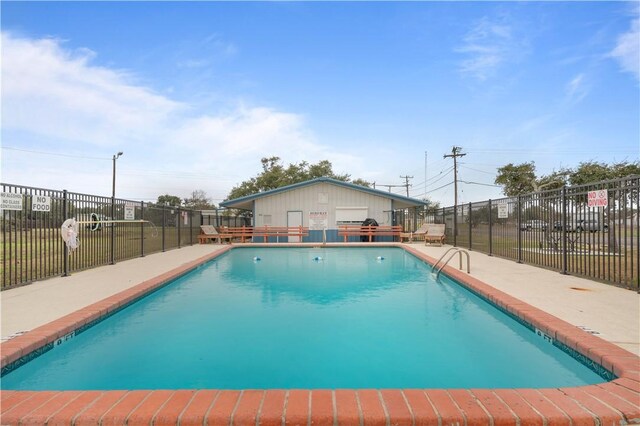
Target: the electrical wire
(55, 153)
(478, 170)
(479, 183)
(440, 187)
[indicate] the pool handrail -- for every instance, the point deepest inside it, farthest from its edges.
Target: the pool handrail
(455, 250)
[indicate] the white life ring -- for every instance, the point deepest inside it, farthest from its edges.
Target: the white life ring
(69, 233)
(95, 224)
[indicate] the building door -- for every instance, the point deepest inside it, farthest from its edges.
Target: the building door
(294, 218)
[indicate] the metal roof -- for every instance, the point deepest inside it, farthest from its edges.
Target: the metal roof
(246, 201)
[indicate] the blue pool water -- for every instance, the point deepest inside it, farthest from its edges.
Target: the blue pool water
(305, 318)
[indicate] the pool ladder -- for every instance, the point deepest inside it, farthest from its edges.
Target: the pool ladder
(455, 250)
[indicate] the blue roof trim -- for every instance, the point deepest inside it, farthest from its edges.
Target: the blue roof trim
(377, 192)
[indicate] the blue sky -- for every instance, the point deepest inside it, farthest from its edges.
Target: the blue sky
(195, 93)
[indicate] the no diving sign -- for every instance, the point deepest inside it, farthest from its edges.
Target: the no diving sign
(598, 198)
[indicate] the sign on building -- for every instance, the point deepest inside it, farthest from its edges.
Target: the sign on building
(318, 220)
(40, 203)
(598, 198)
(10, 201)
(503, 211)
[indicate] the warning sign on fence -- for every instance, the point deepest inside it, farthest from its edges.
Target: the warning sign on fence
(503, 211)
(10, 201)
(598, 198)
(129, 212)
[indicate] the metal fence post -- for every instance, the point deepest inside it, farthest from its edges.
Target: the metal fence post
(564, 230)
(164, 220)
(65, 249)
(142, 229)
(637, 240)
(113, 231)
(490, 229)
(190, 227)
(470, 225)
(179, 220)
(455, 226)
(519, 206)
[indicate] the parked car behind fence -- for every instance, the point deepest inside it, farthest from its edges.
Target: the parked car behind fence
(534, 224)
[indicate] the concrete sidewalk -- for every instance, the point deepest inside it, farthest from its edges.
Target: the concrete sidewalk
(609, 312)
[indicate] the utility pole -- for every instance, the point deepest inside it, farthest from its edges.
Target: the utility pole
(425, 175)
(391, 186)
(455, 153)
(406, 182)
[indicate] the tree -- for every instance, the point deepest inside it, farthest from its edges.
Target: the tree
(593, 171)
(554, 180)
(361, 182)
(275, 175)
(521, 179)
(517, 179)
(199, 201)
(169, 200)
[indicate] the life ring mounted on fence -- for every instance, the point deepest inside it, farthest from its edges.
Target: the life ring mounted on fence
(69, 233)
(94, 222)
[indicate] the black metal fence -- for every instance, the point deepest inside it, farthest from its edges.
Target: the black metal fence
(109, 231)
(589, 230)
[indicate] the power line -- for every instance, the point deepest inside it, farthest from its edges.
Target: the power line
(479, 183)
(478, 170)
(440, 187)
(55, 153)
(435, 179)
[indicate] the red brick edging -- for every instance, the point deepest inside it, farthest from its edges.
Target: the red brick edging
(612, 403)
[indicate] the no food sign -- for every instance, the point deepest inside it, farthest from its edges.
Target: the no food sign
(598, 198)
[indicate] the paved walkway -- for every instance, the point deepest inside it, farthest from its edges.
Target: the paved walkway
(611, 313)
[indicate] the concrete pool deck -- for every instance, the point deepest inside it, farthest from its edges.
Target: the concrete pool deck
(554, 303)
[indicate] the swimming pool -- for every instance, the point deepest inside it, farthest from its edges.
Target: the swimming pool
(613, 402)
(263, 318)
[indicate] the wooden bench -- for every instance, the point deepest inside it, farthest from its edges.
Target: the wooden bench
(242, 233)
(370, 231)
(280, 231)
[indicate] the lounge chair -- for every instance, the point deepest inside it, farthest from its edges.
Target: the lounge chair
(435, 233)
(209, 232)
(419, 233)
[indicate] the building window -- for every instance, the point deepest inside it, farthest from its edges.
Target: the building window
(351, 215)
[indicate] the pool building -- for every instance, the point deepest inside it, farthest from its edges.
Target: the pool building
(322, 205)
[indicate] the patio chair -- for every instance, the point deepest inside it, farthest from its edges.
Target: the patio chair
(435, 233)
(209, 232)
(419, 233)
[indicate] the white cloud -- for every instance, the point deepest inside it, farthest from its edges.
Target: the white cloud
(55, 100)
(627, 50)
(577, 89)
(487, 46)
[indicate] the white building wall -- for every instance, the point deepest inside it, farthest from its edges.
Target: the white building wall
(319, 197)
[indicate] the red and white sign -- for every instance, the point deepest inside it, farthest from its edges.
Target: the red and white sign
(598, 198)
(318, 220)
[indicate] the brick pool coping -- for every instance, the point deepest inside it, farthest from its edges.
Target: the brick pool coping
(614, 402)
